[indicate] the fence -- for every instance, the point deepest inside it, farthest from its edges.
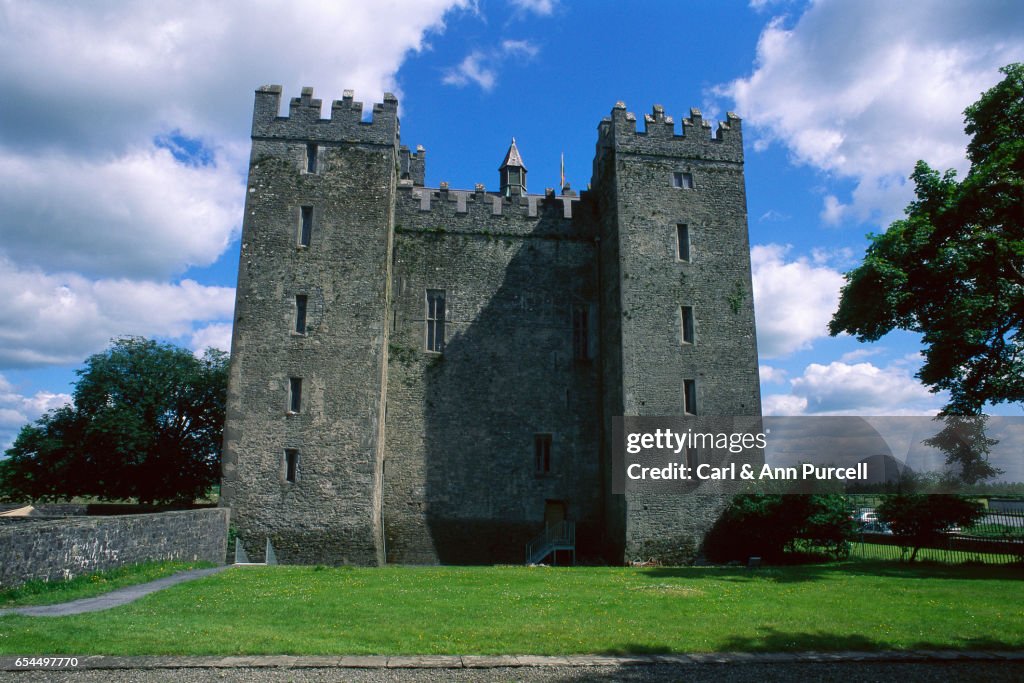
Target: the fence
(996, 538)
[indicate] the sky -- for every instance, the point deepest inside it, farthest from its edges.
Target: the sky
(124, 148)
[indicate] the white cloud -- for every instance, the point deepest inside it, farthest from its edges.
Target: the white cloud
(783, 404)
(793, 300)
(17, 409)
(109, 75)
(862, 90)
(123, 147)
(471, 70)
(520, 47)
(858, 354)
(142, 214)
(216, 335)
(539, 7)
(481, 67)
(772, 375)
(858, 389)
(59, 319)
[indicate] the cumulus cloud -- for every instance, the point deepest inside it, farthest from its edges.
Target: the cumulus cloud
(853, 389)
(123, 154)
(862, 90)
(772, 375)
(107, 75)
(58, 319)
(17, 409)
(481, 67)
(793, 300)
(215, 335)
(143, 214)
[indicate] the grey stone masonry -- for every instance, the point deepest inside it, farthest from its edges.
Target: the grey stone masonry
(58, 549)
(428, 375)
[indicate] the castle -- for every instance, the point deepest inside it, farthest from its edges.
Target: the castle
(429, 375)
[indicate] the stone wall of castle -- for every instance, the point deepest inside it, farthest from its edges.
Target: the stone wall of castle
(337, 362)
(461, 483)
(559, 312)
(59, 549)
(681, 306)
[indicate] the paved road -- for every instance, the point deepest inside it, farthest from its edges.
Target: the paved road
(752, 672)
(114, 598)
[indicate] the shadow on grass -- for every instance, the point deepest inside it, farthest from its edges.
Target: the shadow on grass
(774, 640)
(815, 572)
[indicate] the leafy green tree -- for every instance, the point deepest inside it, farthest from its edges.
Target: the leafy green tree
(953, 269)
(769, 525)
(146, 423)
(921, 520)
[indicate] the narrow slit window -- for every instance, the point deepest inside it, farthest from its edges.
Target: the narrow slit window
(580, 332)
(291, 465)
(312, 150)
(682, 180)
(306, 226)
(691, 457)
(690, 396)
(542, 453)
(683, 242)
(687, 319)
(435, 320)
(301, 302)
(294, 394)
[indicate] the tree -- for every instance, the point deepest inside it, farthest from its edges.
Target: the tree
(767, 525)
(953, 269)
(920, 520)
(146, 423)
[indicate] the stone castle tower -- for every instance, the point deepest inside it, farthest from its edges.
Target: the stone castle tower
(424, 375)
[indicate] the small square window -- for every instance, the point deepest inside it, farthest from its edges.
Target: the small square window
(682, 242)
(542, 453)
(294, 394)
(301, 301)
(305, 226)
(682, 180)
(291, 465)
(687, 320)
(689, 397)
(312, 149)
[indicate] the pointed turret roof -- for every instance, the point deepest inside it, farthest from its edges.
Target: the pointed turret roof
(512, 158)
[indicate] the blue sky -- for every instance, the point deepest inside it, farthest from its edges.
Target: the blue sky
(124, 148)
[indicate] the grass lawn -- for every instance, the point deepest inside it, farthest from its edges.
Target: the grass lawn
(859, 605)
(90, 585)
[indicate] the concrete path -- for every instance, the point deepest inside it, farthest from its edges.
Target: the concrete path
(114, 598)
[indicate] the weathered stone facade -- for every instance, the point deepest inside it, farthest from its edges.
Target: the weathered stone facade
(58, 549)
(426, 375)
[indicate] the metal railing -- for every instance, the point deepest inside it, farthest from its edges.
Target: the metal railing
(555, 537)
(996, 538)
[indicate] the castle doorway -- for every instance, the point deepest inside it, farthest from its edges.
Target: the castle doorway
(554, 512)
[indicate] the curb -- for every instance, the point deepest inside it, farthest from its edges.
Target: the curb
(99, 662)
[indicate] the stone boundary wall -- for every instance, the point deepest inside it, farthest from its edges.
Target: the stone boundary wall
(55, 550)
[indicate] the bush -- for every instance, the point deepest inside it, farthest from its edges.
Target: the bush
(767, 526)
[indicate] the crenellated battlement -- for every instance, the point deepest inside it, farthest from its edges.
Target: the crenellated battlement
(424, 209)
(695, 138)
(304, 120)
